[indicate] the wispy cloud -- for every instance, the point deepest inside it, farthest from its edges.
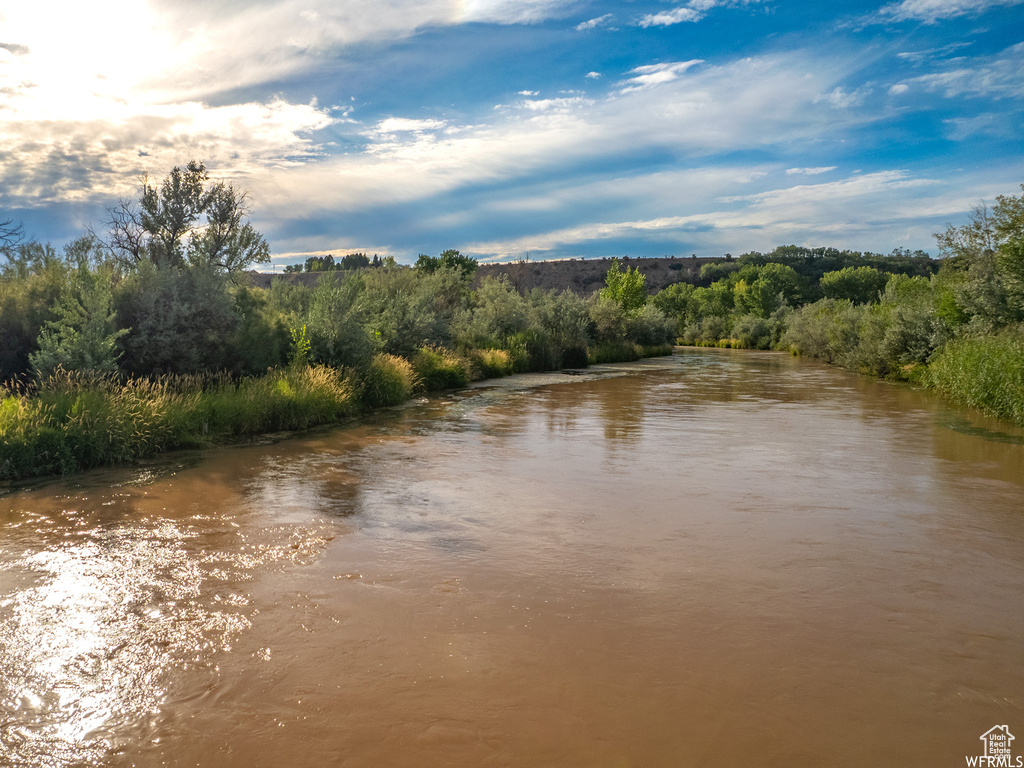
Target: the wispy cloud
(751, 103)
(930, 54)
(934, 11)
(999, 76)
(17, 50)
(668, 18)
(600, 21)
(866, 206)
(840, 98)
(693, 11)
(809, 171)
(651, 75)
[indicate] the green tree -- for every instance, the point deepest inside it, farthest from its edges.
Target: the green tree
(627, 289)
(184, 222)
(337, 332)
(989, 253)
(355, 261)
(451, 259)
(83, 337)
(1008, 223)
(861, 285)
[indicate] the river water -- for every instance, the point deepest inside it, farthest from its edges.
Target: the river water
(718, 558)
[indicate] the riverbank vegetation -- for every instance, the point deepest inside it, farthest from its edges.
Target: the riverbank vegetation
(150, 337)
(956, 326)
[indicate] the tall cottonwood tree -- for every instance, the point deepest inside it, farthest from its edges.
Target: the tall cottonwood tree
(186, 222)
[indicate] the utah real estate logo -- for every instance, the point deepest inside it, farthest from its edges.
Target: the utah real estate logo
(998, 752)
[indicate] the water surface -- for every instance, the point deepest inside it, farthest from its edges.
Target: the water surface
(718, 558)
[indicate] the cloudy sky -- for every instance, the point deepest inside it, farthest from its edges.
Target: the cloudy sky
(499, 127)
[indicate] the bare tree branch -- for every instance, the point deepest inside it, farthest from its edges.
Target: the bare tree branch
(126, 238)
(11, 233)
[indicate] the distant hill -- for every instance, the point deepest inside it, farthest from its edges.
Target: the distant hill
(582, 276)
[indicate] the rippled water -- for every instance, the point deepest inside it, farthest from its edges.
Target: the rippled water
(712, 559)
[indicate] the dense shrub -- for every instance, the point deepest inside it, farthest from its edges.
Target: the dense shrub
(497, 314)
(985, 372)
(388, 380)
(438, 368)
(492, 363)
(178, 320)
(337, 332)
(861, 285)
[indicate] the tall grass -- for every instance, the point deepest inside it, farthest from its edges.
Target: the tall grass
(492, 363)
(986, 372)
(439, 368)
(389, 380)
(614, 352)
(78, 421)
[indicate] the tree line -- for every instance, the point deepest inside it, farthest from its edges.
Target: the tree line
(159, 292)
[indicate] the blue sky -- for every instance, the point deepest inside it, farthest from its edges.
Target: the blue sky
(561, 128)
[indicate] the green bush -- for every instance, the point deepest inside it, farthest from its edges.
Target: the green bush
(438, 368)
(336, 326)
(179, 321)
(985, 372)
(389, 380)
(614, 352)
(861, 285)
(492, 363)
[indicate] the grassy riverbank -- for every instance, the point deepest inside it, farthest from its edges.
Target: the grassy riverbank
(75, 422)
(71, 422)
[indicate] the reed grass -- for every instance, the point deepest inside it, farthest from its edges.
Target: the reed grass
(78, 421)
(389, 380)
(492, 363)
(985, 372)
(438, 368)
(614, 352)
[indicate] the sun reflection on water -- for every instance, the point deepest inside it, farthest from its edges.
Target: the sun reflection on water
(89, 628)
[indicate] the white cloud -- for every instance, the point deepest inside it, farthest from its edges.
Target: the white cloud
(657, 74)
(593, 75)
(693, 11)
(48, 160)
(404, 124)
(549, 105)
(120, 86)
(852, 212)
(998, 76)
(809, 171)
(600, 21)
(668, 18)
(751, 103)
(933, 11)
(528, 93)
(840, 98)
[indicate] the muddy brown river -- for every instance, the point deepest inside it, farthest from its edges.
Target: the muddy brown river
(715, 559)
